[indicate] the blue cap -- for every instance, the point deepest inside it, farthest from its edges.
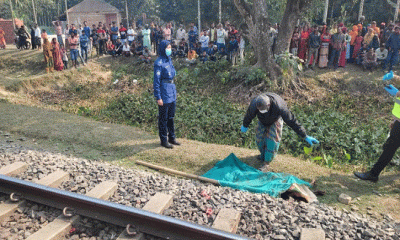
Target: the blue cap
(388, 76)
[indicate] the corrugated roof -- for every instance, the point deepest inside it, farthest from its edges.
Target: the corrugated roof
(93, 6)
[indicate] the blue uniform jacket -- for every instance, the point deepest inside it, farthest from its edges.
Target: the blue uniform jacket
(164, 73)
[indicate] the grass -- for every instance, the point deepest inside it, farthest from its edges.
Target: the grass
(25, 114)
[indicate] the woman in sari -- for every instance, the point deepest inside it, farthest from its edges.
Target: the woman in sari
(357, 45)
(48, 56)
(369, 37)
(353, 35)
(345, 54)
(57, 55)
(303, 46)
(2, 39)
(324, 50)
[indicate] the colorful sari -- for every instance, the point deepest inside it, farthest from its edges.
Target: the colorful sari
(2, 39)
(48, 56)
(57, 56)
(268, 139)
(357, 46)
(346, 51)
(324, 50)
(303, 46)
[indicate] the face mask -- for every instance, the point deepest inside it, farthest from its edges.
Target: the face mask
(168, 51)
(263, 111)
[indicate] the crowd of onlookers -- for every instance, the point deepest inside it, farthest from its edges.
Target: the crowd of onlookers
(73, 45)
(368, 45)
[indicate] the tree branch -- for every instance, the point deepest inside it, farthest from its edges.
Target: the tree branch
(243, 8)
(393, 4)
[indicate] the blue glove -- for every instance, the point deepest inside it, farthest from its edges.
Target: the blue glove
(388, 76)
(311, 140)
(391, 90)
(244, 129)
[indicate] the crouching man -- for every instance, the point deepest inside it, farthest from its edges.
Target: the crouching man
(272, 111)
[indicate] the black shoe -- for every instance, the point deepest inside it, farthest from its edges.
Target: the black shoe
(366, 176)
(174, 142)
(166, 145)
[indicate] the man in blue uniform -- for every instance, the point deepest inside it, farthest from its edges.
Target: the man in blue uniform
(165, 94)
(271, 111)
(393, 45)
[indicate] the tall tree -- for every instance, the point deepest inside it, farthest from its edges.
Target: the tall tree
(258, 21)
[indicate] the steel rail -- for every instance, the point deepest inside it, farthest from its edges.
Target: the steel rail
(117, 214)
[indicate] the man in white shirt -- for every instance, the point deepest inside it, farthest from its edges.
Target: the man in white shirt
(204, 39)
(131, 35)
(220, 37)
(38, 39)
(181, 33)
(381, 54)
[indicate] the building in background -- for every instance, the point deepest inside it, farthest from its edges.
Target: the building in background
(7, 26)
(94, 11)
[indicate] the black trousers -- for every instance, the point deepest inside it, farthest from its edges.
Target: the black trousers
(166, 128)
(389, 149)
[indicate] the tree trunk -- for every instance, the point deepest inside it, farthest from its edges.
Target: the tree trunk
(259, 35)
(360, 13)
(292, 13)
(396, 11)
(326, 7)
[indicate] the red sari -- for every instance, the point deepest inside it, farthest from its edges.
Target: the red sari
(303, 46)
(2, 39)
(357, 46)
(57, 57)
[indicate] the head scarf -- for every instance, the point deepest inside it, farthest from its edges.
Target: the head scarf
(163, 45)
(353, 34)
(369, 36)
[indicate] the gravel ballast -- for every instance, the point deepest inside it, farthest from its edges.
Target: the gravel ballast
(263, 217)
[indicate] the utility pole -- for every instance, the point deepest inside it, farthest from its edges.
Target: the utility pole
(396, 13)
(360, 13)
(12, 15)
(127, 14)
(198, 16)
(58, 8)
(220, 12)
(34, 11)
(326, 11)
(66, 11)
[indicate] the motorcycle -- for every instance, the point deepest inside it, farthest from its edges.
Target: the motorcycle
(21, 44)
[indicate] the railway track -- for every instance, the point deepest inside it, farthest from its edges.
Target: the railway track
(69, 208)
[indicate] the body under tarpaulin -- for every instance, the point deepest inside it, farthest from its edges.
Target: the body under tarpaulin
(231, 172)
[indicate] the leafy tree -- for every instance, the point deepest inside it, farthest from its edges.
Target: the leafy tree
(259, 23)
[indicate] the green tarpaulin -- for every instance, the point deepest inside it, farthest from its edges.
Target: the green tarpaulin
(231, 172)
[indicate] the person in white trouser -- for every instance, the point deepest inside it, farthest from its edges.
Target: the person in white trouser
(242, 44)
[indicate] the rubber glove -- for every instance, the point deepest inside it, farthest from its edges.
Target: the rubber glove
(311, 140)
(391, 90)
(244, 129)
(388, 76)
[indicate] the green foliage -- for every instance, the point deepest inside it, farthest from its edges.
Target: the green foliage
(289, 63)
(344, 137)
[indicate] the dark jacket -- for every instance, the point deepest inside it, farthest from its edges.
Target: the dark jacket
(393, 42)
(278, 109)
(164, 73)
(314, 41)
